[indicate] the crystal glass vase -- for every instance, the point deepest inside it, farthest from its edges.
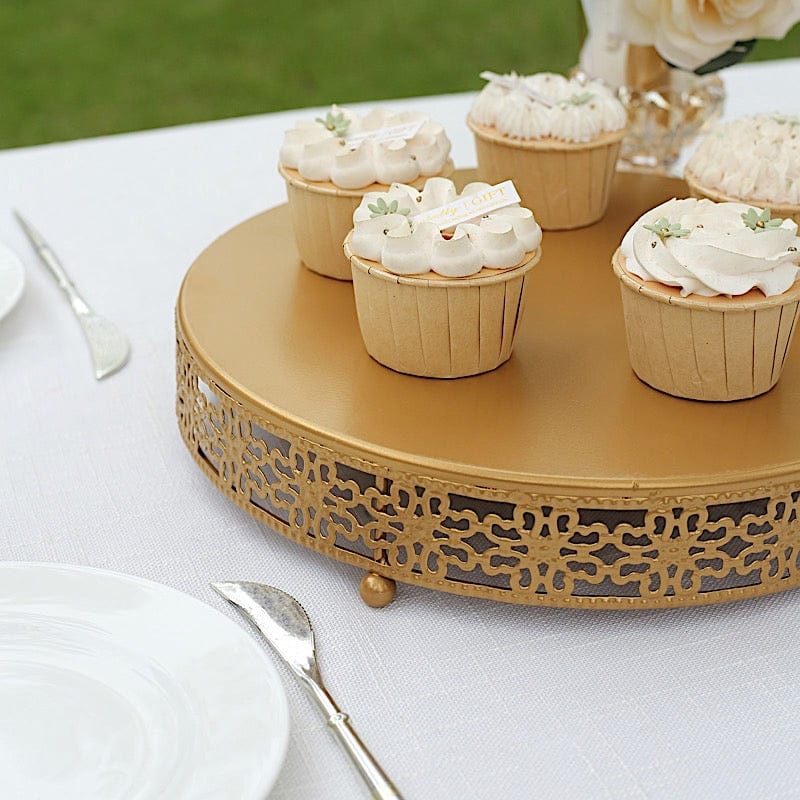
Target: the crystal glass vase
(667, 107)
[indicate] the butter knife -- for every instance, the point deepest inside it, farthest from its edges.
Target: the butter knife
(286, 626)
(107, 344)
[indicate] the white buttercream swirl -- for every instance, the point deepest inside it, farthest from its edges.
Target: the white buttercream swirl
(498, 240)
(318, 155)
(720, 256)
(755, 158)
(514, 114)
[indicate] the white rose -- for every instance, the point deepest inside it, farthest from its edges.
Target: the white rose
(689, 33)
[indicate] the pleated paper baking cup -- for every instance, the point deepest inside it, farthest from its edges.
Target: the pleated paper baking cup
(779, 210)
(322, 215)
(439, 327)
(706, 348)
(566, 185)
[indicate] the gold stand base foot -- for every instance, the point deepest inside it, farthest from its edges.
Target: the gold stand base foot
(377, 591)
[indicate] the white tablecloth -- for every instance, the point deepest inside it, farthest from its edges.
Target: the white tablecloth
(458, 698)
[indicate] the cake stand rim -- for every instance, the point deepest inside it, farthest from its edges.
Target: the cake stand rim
(486, 477)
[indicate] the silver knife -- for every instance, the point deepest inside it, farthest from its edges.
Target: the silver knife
(286, 626)
(108, 346)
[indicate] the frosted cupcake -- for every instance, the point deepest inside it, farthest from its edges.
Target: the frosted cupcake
(557, 138)
(753, 160)
(435, 301)
(710, 296)
(330, 164)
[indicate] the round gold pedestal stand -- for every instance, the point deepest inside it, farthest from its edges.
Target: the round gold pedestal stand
(558, 479)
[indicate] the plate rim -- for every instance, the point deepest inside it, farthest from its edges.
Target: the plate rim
(274, 765)
(19, 269)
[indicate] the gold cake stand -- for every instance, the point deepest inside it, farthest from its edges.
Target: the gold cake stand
(558, 479)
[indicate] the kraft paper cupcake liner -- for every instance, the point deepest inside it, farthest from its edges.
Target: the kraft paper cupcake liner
(439, 327)
(322, 215)
(782, 210)
(566, 185)
(706, 348)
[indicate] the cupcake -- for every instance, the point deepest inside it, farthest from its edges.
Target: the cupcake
(438, 301)
(558, 138)
(710, 296)
(330, 164)
(754, 160)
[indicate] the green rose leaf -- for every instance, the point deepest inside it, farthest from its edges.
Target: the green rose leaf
(734, 55)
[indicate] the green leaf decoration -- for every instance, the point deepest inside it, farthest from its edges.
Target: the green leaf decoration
(664, 228)
(336, 123)
(381, 208)
(580, 99)
(737, 52)
(760, 222)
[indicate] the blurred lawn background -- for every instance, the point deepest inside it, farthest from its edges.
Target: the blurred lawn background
(77, 68)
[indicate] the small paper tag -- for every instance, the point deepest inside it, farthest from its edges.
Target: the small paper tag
(506, 81)
(470, 206)
(408, 130)
(517, 84)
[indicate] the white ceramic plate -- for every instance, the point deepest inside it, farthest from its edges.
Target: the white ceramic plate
(114, 687)
(12, 279)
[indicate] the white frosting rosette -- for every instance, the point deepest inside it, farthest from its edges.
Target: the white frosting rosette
(384, 231)
(756, 158)
(321, 152)
(712, 250)
(581, 110)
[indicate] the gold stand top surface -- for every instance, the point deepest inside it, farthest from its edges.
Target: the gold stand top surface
(565, 413)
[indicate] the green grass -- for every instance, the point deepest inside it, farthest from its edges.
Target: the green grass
(76, 68)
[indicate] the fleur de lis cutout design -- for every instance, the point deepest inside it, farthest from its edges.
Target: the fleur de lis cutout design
(760, 222)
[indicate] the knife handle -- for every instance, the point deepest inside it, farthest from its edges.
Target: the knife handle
(376, 779)
(54, 266)
(50, 260)
(381, 788)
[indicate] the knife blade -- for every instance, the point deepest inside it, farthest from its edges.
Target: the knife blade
(287, 627)
(108, 346)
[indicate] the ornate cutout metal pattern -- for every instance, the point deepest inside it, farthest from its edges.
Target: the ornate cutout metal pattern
(520, 547)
